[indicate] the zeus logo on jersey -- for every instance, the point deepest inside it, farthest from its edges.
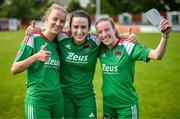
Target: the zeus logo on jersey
(52, 63)
(109, 69)
(72, 57)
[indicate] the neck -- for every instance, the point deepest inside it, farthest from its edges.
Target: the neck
(50, 37)
(113, 44)
(79, 42)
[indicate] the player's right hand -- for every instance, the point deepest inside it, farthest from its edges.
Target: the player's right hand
(32, 29)
(43, 55)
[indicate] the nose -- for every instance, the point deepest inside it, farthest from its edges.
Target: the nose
(59, 23)
(103, 33)
(79, 30)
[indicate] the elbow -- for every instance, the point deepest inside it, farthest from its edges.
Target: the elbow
(13, 71)
(158, 57)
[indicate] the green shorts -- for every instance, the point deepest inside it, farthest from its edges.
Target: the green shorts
(131, 112)
(44, 111)
(80, 107)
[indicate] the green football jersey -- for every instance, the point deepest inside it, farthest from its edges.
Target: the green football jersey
(118, 68)
(78, 64)
(42, 77)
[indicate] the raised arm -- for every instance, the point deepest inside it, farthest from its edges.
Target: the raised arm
(20, 66)
(129, 36)
(158, 53)
(32, 29)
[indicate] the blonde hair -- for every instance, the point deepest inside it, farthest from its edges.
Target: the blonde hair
(54, 6)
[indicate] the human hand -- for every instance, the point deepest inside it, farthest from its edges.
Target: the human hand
(131, 36)
(165, 27)
(32, 29)
(43, 55)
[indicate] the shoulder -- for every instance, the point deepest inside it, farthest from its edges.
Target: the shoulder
(127, 45)
(29, 40)
(94, 38)
(62, 36)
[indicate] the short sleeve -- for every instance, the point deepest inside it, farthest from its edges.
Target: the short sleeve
(62, 36)
(140, 53)
(26, 49)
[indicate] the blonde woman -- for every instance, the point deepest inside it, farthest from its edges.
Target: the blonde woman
(38, 54)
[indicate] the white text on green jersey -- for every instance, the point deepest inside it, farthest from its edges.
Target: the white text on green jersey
(109, 69)
(72, 57)
(52, 63)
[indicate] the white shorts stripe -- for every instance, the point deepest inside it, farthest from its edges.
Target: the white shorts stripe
(134, 112)
(30, 112)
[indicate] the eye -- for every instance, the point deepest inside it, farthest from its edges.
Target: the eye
(106, 30)
(74, 26)
(62, 21)
(99, 32)
(55, 18)
(84, 27)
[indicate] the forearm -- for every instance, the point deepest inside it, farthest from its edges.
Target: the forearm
(158, 53)
(20, 66)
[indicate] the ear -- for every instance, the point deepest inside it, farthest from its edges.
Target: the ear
(46, 18)
(115, 30)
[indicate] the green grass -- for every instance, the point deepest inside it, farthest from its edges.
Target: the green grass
(157, 82)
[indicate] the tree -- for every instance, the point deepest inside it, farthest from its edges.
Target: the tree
(114, 7)
(73, 5)
(24, 9)
(91, 8)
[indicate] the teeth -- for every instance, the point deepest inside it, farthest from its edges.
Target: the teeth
(80, 37)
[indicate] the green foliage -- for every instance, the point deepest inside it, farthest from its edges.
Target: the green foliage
(106, 7)
(156, 82)
(33, 9)
(91, 8)
(73, 5)
(20, 9)
(114, 7)
(24, 9)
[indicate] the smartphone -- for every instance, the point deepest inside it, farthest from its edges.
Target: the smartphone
(154, 17)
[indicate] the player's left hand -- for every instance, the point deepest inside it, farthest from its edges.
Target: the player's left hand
(165, 27)
(131, 37)
(32, 29)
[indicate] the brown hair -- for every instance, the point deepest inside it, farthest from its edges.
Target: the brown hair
(111, 22)
(80, 13)
(103, 47)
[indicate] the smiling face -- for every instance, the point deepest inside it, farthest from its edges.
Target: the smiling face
(79, 29)
(55, 21)
(106, 32)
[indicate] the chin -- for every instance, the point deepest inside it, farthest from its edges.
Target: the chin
(56, 32)
(77, 39)
(106, 43)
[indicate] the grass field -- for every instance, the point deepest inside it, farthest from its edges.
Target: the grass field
(157, 82)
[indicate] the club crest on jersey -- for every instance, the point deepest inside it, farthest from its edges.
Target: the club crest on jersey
(117, 52)
(86, 47)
